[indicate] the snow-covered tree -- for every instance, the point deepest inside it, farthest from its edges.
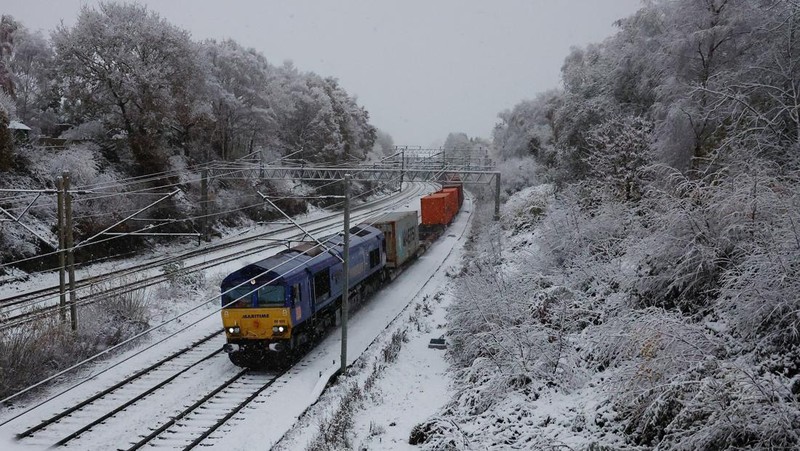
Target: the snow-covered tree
(32, 68)
(8, 28)
(132, 70)
(384, 143)
(243, 119)
(6, 143)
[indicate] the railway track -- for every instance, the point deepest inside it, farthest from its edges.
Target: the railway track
(173, 426)
(101, 407)
(196, 422)
(21, 309)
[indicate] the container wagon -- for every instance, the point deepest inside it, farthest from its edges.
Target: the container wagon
(402, 237)
(437, 209)
(455, 192)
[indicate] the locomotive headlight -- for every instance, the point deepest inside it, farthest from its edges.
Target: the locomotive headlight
(278, 329)
(234, 330)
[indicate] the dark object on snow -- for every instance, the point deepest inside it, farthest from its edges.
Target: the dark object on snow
(444, 434)
(437, 343)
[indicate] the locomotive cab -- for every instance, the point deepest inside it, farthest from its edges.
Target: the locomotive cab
(258, 316)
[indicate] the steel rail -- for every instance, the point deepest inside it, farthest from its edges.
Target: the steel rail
(195, 406)
(35, 296)
(56, 418)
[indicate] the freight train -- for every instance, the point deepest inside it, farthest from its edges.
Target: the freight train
(275, 308)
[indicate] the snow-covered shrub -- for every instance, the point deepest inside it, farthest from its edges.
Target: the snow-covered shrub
(681, 259)
(334, 431)
(674, 389)
(728, 407)
(585, 248)
(760, 284)
(642, 350)
(392, 348)
(92, 130)
(117, 317)
(618, 149)
(513, 324)
(524, 209)
(121, 305)
(180, 281)
(438, 434)
(27, 352)
(45, 346)
(724, 230)
(82, 161)
(14, 244)
(518, 173)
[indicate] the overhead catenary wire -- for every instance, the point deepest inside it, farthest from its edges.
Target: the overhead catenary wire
(157, 176)
(139, 335)
(79, 245)
(109, 280)
(191, 218)
(16, 262)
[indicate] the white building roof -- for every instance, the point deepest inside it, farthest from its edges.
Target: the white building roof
(17, 125)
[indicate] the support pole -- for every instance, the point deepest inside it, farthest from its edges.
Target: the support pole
(346, 270)
(402, 167)
(204, 204)
(496, 196)
(69, 242)
(62, 258)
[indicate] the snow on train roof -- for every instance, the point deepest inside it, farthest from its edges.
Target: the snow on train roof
(301, 255)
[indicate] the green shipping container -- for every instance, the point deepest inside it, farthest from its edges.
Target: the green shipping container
(402, 236)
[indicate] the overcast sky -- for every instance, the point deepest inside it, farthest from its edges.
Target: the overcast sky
(422, 68)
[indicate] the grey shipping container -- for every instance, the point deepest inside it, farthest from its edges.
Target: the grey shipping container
(402, 236)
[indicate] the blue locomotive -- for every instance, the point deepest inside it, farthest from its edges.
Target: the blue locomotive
(282, 303)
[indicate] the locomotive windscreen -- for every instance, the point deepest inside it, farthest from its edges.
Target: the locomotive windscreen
(270, 296)
(239, 297)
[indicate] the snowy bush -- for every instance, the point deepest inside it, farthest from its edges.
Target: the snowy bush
(122, 305)
(524, 209)
(46, 346)
(82, 162)
(760, 282)
(518, 173)
(438, 434)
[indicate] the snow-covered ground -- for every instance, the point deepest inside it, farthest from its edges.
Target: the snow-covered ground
(276, 411)
(399, 380)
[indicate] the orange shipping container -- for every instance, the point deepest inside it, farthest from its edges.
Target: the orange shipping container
(437, 209)
(460, 189)
(453, 190)
(452, 199)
